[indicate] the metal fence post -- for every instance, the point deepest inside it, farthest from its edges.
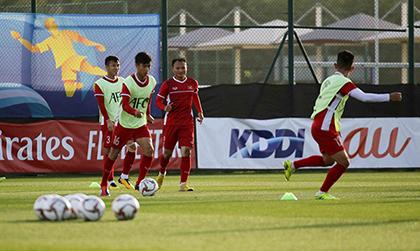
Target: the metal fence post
(290, 43)
(411, 79)
(33, 6)
(164, 29)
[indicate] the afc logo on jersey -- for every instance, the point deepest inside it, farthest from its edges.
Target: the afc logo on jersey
(115, 97)
(137, 102)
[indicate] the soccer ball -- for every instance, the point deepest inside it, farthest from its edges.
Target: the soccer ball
(148, 187)
(125, 207)
(76, 204)
(56, 208)
(92, 208)
(40, 205)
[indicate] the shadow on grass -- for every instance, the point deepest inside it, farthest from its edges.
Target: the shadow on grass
(367, 202)
(58, 222)
(313, 226)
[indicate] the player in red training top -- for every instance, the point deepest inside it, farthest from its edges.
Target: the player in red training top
(176, 96)
(108, 94)
(329, 107)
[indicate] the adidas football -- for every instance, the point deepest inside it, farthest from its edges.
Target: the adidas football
(125, 207)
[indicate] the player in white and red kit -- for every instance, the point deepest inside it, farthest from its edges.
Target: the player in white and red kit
(325, 129)
(107, 91)
(176, 97)
(132, 123)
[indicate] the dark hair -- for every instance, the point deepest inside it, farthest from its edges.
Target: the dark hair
(178, 60)
(111, 58)
(143, 58)
(345, 59)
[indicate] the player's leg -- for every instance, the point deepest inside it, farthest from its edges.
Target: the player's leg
(186, 143)
(106, 146)
(146, 159)
(342, 163)
(144, 140)
(128, 162)
(163, 161)
(85, 66)
(169, 141)
(111, 182)
(108, 165)
(322, 139)
(185, 169)
(119, 137)
(315, 160)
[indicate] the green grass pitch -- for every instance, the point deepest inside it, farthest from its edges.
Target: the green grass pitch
(377, 211)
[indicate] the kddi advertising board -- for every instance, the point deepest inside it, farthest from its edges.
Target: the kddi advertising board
(265, 144)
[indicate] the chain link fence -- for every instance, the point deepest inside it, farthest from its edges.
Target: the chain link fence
(234, 41)
(378, 37)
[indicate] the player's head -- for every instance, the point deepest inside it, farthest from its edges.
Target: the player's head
(179, 67)
(345, 60)
(50, 24)
(112, 65)
(143, 61)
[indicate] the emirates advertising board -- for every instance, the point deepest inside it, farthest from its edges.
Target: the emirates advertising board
(66, 146)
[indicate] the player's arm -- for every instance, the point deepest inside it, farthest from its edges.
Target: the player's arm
(32, 48)
(161, 98)
(375, 97)
(354, 92)
(125, 94)
(76, 36)
(197, 105)
(101, 103)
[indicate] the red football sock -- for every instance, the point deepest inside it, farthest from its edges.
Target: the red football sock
(333, 175)
(314, 160)
(163, 163)
(111, 173)
(185, 168)
(128, 162)
(145, 164)
(108, 163)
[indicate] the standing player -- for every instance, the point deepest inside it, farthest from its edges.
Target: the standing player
(328, 109)
(132, 124)
(107, 92)
(176, 96)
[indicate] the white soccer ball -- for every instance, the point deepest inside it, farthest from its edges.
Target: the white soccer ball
(148, 187)
(76, 204)
(92, 208)
(41, 204)
(57, 208)
(125, 207)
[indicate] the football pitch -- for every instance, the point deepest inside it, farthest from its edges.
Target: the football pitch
(241, 211)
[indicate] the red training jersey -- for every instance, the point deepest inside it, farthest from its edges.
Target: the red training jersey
(181, 95)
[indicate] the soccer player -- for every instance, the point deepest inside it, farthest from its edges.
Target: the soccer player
(132, 123)
(60, 43)
(176, 96)
(108, 94)
(329, 107)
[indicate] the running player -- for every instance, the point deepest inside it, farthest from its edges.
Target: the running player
(325, 130)
(108, 94)
(176, 96)
(134, 116)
